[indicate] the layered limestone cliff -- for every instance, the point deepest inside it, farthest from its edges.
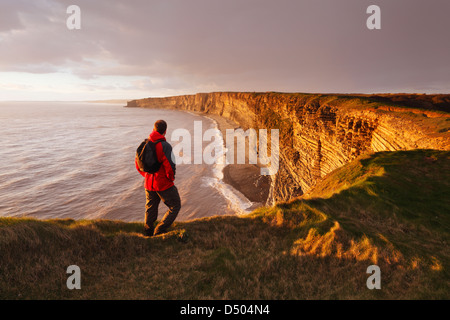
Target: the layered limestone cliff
(319, 133)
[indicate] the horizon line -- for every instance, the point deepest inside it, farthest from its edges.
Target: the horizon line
(112, 100)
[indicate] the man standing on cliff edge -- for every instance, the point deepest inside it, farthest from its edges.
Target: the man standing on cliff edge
(159, 185)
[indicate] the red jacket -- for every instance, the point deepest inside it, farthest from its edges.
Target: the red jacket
(163, 179)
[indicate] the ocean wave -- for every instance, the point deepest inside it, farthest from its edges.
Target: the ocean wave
(237, 201)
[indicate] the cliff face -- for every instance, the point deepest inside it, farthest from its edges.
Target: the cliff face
(320, 133)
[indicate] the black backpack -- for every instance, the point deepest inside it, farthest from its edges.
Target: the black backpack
(146, 158)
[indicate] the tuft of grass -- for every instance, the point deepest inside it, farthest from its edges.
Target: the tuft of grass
(389, 209)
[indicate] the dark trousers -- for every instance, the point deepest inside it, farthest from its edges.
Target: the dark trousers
(171, 199)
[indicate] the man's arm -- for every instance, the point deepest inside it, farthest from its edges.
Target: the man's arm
(164, 152)
(139, 170)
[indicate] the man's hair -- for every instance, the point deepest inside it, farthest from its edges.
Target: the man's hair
(160, 126)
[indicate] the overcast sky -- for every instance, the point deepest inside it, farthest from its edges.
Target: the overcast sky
(140, 48)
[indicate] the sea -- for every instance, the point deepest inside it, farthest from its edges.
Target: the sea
(75, 160)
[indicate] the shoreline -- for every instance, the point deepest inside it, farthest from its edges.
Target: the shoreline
(245, 178)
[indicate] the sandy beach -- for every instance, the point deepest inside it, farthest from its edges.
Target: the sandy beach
(245, 178)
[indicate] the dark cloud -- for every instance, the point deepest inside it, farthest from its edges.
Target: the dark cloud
(246, 45)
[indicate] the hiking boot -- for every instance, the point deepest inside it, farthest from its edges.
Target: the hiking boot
(183, 237)
(148, 233)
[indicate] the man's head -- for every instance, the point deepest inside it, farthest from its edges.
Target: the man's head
(160, 126)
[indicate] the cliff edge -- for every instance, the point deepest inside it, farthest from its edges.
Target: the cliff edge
(321, 132)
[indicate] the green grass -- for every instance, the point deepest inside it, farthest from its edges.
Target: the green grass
(390, 209)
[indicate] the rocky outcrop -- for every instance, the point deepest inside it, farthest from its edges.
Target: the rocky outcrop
(320, 133)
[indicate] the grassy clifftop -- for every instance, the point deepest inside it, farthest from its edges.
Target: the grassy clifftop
(390, 209)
